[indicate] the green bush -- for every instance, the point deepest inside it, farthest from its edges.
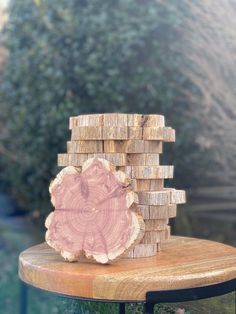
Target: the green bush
(72, 57)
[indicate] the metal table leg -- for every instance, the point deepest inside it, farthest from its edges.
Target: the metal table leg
(23, 298)
(121, 308)
(148, 308)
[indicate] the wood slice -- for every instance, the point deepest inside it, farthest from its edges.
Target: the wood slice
(86, 120)
(92, 213)
(153, 120)
(64, 160)
(162, 211)
(87, 133)
(152, 237)
(135, 132)
(85, 147)
(115, 119)
(154, 197)
(155, 224)
(149, 172)
(162, 197)
(143, 159)
(76, 160)
(178, 196)
(117, 132)
(157, 212)
(142, 250)
(165, 134)
(147, 185)
(133, 146)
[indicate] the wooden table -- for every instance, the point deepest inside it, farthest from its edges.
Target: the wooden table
(186, 269)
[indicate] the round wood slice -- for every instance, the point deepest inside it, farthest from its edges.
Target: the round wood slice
(162, 197)
(117, 119)
(155, 224)
(158, 211)
(133, 146)
(157, 236)
(77, 160)
(147, 185)
(154, 120)
(165, 134)
(142, 250)
(87, 133)
(154, 197)
(149, 172)
(121, 119)
(85, 147)
(177, 196)
(143, 159)
(86, 120)
(92, 213)
(117, 132)
(162, 211)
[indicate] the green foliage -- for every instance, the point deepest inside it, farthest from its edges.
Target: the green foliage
(72, 57)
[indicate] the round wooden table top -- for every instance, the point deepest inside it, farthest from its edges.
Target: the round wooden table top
(182, 263)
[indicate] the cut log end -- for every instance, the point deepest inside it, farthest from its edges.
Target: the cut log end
(92, 213)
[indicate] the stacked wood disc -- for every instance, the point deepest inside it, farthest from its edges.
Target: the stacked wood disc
(133, 143)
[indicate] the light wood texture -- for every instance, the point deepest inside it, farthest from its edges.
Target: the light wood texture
(177, 196)
(149, 172)
(165, 134)
(142, 250)
(146, 120)
(157, 236)
(182, 263)
(92, 215)
(87, 133)
(85, 147)
(76, 160)
(117, 119)
(117, 132)
(86, 120)
(132, 146)
(163, 197)
(155, 224)
(158, 211)
(143, 159)
(154, 197)
(147, 185)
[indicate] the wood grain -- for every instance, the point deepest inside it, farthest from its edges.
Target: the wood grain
(147, 185)
(117, 119)
(92, 215)
(149, 172)
(143, 159)
(182, 263)
(133, 146)
(111, 132)
(85, 147)
(165, 196)
(158, 211)
(76, 160)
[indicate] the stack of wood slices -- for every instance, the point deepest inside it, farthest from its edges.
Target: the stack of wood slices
(132, 143)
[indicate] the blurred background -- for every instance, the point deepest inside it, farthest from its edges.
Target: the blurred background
(63, 58)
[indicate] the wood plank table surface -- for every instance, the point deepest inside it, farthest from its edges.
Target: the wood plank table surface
(182, 263)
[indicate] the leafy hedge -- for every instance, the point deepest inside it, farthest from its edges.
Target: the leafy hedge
(71, 57)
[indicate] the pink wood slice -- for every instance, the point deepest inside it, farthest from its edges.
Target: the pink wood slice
(92, 215)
